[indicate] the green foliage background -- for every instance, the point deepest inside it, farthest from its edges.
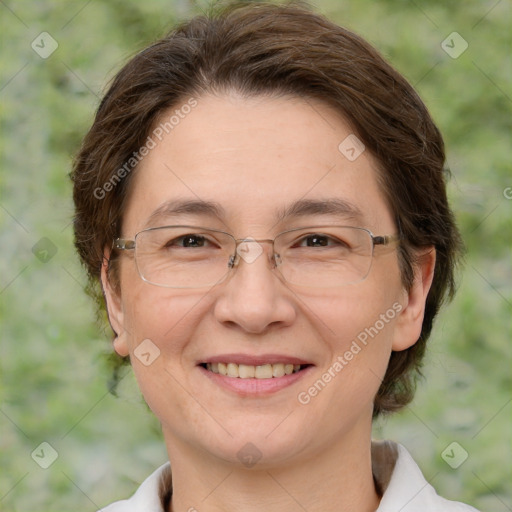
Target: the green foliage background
(54, 380)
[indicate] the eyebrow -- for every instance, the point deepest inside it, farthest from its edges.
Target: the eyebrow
(301, 208)
(186, 206)
(331, 206)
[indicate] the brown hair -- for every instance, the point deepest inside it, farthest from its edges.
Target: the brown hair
(259, 49)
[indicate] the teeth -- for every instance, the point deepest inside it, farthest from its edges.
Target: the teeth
(232, 370)
(246, 371)
(277, 370)
(264, 371)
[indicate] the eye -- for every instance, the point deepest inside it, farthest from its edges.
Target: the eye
(188, 240)
(320, 240)
(316, 240)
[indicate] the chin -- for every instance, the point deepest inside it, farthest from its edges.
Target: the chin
(261, 447)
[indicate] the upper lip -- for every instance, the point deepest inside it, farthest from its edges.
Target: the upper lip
(254, 360)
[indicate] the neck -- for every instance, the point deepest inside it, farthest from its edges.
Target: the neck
(338, 478)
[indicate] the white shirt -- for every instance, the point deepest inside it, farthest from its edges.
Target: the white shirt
(403, 487)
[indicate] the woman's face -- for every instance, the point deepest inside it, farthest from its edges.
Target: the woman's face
(255, 158)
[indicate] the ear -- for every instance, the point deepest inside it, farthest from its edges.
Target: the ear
(410, 320)
(114, 309)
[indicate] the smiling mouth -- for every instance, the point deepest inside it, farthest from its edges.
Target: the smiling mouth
(246, 371)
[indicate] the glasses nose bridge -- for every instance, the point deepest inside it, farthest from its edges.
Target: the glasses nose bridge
(248, 255)
(238, 241)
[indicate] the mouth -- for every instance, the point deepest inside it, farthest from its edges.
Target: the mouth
(255, 376)
(247, 371)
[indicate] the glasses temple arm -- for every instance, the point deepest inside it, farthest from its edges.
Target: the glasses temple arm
(123, 244)
(386, 239)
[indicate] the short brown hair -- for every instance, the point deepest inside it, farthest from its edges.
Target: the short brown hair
(262, 48)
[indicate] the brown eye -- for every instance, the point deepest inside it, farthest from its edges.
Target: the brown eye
(190, 240)
(320, 240)
(317, 241)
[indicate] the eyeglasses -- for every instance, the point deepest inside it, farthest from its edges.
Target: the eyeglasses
(196, 257)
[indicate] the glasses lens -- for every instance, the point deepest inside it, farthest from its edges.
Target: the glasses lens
(183, 257)
(326, 256)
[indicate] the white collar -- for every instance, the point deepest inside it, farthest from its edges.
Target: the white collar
(407, 490)
(403, 486)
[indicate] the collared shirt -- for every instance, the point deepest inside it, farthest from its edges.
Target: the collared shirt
(397, 477)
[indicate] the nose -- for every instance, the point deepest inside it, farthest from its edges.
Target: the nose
(254, 297)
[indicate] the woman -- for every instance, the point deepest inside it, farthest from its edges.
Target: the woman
(262, 198)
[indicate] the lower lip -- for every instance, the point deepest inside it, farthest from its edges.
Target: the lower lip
(255, 387)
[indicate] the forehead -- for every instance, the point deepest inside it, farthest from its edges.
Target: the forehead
(255, 160)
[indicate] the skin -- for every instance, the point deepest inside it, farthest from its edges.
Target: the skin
(253, 155)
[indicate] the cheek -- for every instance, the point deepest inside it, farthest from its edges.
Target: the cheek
(357, 331)
(363, 335)
(169, 318)
(161, 325)
(158, 313)
(362, 311)
(357, 326)
(359, 349)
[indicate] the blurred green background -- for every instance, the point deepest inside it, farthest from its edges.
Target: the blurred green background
(54, 380)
